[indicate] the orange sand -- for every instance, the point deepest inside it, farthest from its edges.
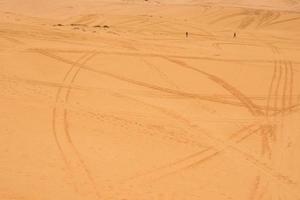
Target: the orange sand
(108, 100)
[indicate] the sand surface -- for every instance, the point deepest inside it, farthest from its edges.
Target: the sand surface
(109, 100)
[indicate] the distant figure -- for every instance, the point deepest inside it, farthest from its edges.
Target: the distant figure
(186, 34)
(234, 35)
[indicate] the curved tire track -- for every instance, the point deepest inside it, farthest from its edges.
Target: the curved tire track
(81, 176)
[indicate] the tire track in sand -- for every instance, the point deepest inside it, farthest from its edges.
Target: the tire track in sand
(254, 110)
(148, 85)
(191, 160)
(80, 174)
(219, 144)
(154, 55)
(265, 131)
(291, 85)
(271, 119)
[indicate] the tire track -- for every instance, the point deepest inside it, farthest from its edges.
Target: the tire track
(227, 17)
(283, 21)
(275, 175)
(269, 129)
(55, 132)
(265, 131)
(219, 44)
(194, 160)
(285, 86)
(286, 99)
(93, 89)
(217, 142)
(151, 86)
(158, 55)
(271, 88)
(292, 109)
(66, 124)
(277, 87)
(291, 85)
(161, 73)
(221, 98)
(253, 193)
(268, 18)
(13, 40)
(82, 177)
(254, 110)
(281, 123)
(247, 21)
(281, 73)
(280, 100)
(191, 160)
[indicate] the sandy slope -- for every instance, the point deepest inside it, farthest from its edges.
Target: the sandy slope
(110, 100)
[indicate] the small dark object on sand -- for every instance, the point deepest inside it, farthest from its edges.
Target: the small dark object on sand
(105, 26)
(234, 35)
(77, 25)
(186, 34)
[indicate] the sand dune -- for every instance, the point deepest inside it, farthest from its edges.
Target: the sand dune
(110, 100)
